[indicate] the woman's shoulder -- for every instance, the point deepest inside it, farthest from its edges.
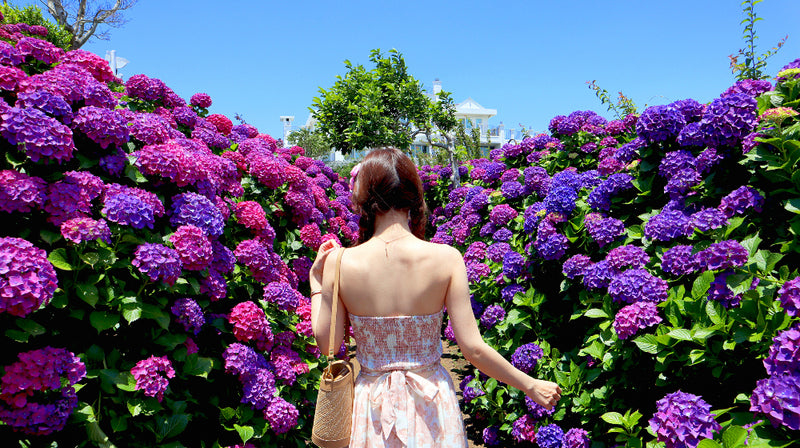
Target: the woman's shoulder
(442, 252)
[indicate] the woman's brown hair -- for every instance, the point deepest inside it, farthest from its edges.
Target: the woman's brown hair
(387, 180)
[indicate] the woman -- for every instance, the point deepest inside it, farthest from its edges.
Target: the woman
(394, 286)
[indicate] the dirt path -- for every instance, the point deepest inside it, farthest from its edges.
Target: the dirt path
(454, 362)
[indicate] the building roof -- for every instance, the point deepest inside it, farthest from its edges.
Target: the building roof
(471, 107)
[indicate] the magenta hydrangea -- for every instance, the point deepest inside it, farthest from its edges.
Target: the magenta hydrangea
(524, 429)
(152, 375)
(106, 127)
(189, 314)
(158, 262)
(201, 100)
(39, 49)
(637, 316)
(502, 214)
(20, 192)
(144, 88)
(251, 215)
(576, 438)
(40, 136)
(682, 420)
(78, 230)
(250, 324)
(27, 279)
(193, 247)
(281, 415)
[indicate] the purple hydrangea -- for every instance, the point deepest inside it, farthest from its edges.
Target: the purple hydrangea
(561, 199)
(149, 378)
(674, 162)
(502, 214)
(600, 197)
(784, 354)
(789, 296)
(51, 104)
(193, 247)
(598, 275)
(779, 398)
(679, 260)
(537, 180)
(158, 262)
(103, 126)
(189, 314)
(729, 119)
(508, 292)
(526, 356)
(476, 252)
(739, 200)
(197, 210)
(637, 285)
(201, 100)
(281, 294)
(575, 266)
(637, 316)
(20, 192)
(128, 209)
(627, 256)
(750, 87)
(512, 190)
(39, 49)
(468, 392)
(492, 315)
(40, 136)
(550, 436)
(706, 160)
(144, 88)
(682, 419)
(538, 411)
(680, 184)
(576, 438)
(691, 135)
(551, 247)
(502, 235)
(666, 226)
(691, 109)
(524, 429)
(660, 123)
(491, 436)
(705, 220)
(258, 388)
(27, 279)
(241, 360)
(723, 255)
(603, 230)
(476, 271)
(513, 264)
(532, 215)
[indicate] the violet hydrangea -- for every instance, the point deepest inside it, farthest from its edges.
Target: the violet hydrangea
(152, 375)
(682, 419)
(27, 279)
(526, 356)
(637, 316)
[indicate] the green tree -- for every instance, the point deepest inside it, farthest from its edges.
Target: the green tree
(32, 15)
(312, 141)
(84, 18)
(385, 106)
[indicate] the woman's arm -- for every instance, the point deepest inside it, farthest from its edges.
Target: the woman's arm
(321, 278)
(480, 354)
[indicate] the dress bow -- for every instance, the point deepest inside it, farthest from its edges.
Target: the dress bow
(389, 396)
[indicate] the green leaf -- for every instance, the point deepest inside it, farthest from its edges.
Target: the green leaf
(711, 310)
(131, 312)
(751, 244)
(614, 418)
(681, 334)
(596, 313)
(49, 237)
(103, 320)
(16, 335)
(245, 432)
(87, 293)
(198, 366)
(701, 284)
(708, 443)
(58, 258)
(31, 327)
(90, 258)
(793, 205)
(734, 437)
(172, 426)
(647, 343)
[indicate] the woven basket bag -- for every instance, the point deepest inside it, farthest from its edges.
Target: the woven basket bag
(334, 411)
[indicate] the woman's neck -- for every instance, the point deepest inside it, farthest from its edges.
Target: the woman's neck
(392, 223)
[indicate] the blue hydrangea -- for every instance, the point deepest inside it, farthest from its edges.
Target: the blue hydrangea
(598, 275)
(526, 356)
(660, 123)
(128, 209)
(729, 119)
(197, 210)
(513, 264)
(561, 199)
(550, 436)
(682, 419)
(636, 285)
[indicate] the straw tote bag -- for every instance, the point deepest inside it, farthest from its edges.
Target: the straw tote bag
(335, 396)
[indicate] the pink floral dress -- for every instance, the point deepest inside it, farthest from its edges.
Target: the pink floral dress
(403, 395)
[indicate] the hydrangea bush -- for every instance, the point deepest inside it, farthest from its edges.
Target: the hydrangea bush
(153, 282)
(648, 259)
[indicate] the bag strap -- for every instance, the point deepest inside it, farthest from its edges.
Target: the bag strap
(334, 304)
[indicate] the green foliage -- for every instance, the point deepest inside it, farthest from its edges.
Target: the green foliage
(32, 15)
(310, 140)
(622, 107)
(753, 65)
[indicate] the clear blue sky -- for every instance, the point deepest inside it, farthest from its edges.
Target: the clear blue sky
(530, 60)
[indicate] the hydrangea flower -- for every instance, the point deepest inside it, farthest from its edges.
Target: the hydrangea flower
(729, 119)
(513, 264)
(598, 275)
(468, 392)
(784, 354)
(526, 356)
(200, 100)
(789, 296)
(723, 255)
(600, 197)
(258, 388)
(127, 209)
(538, 411)
(682, 419)
(636, 285)
(575, 266)
(39, 49)
(78, 230)
(147, 374)
(750, 87)
(242, 360)
(705, 220)
(189, 314)
(281, 415)
(739, 200)
(660, 123)
(666, 226)
(27, 279)
(491, 436)
(197, 210)
(551, 247)
(40, 136)
(492, 315)
(193, 247)
(632, 318)
(144, 88)
(476, 271)
(37, 372)
(576, 438)
(679, 260)
(250, 324)
(603, 230)
(550, 436)
(501, 214)
(778, 397)
(691, 109)
(627, 256)
(158, 262)
(20, 192)
(281, 294)
(524, 429)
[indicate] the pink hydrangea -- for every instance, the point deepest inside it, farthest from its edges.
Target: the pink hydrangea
(250, 324)
(193, 247)
(251, 215)
(222, 123)
(148, 375)
(27, 279)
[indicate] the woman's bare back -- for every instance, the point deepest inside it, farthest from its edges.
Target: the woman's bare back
(405, 277)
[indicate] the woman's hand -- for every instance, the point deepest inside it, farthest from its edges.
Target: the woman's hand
(546, 393)
(315, 275)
